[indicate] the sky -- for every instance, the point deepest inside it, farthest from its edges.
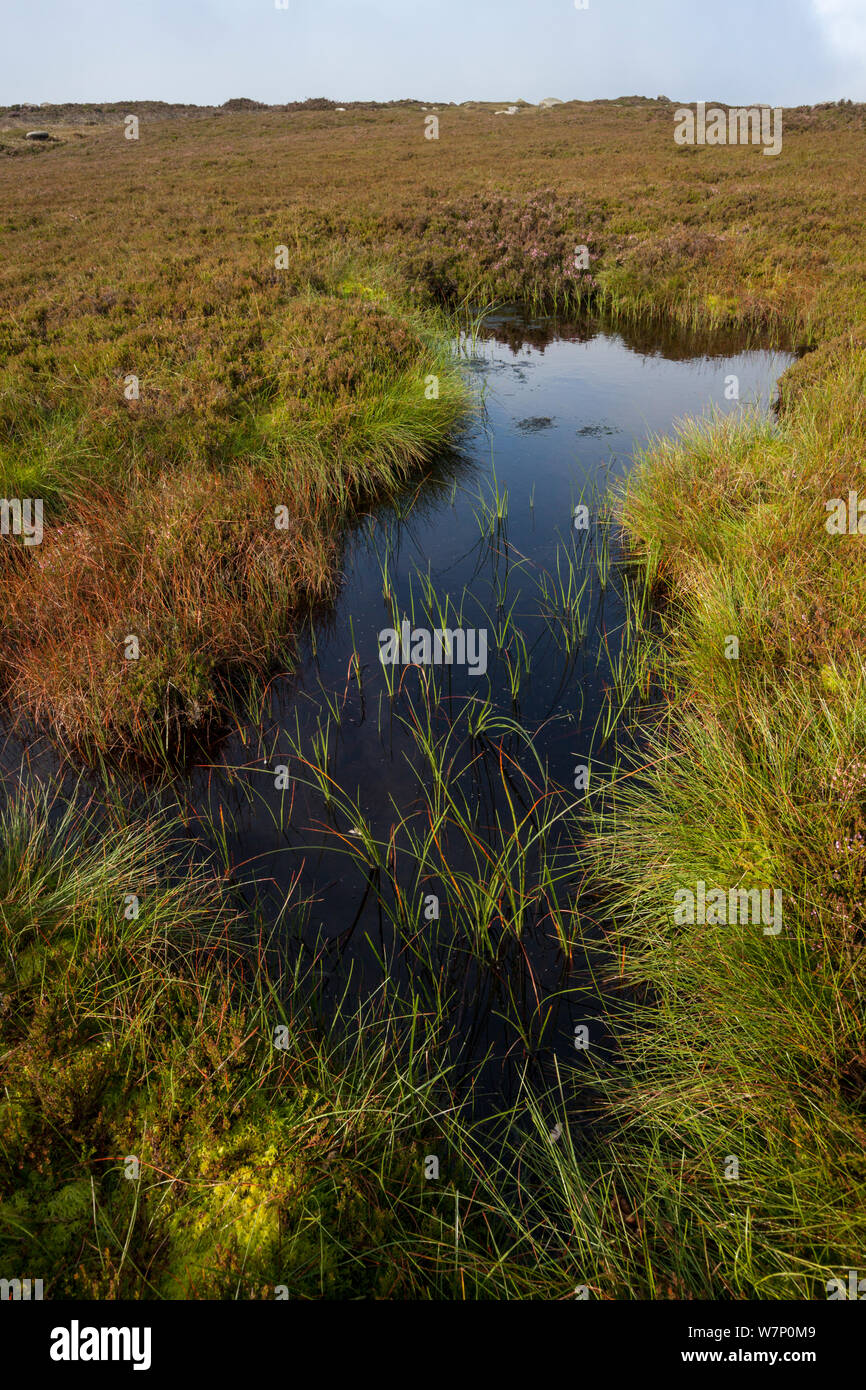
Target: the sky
(776, 52)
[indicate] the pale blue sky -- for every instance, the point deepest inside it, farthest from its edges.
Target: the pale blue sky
(784, 52)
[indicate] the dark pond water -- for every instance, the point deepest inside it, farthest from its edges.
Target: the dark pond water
(416, 790)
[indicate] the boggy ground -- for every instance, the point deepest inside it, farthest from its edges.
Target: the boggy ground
(305, 388)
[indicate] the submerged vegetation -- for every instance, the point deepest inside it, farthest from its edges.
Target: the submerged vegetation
(149, 1011)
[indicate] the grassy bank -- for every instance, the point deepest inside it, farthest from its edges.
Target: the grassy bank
(750, 1042)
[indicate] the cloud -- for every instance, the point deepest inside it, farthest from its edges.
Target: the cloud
(844, 26)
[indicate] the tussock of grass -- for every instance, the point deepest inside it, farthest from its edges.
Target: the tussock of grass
(153, 1038)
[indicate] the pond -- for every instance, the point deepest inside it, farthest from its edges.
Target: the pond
(412, 830)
